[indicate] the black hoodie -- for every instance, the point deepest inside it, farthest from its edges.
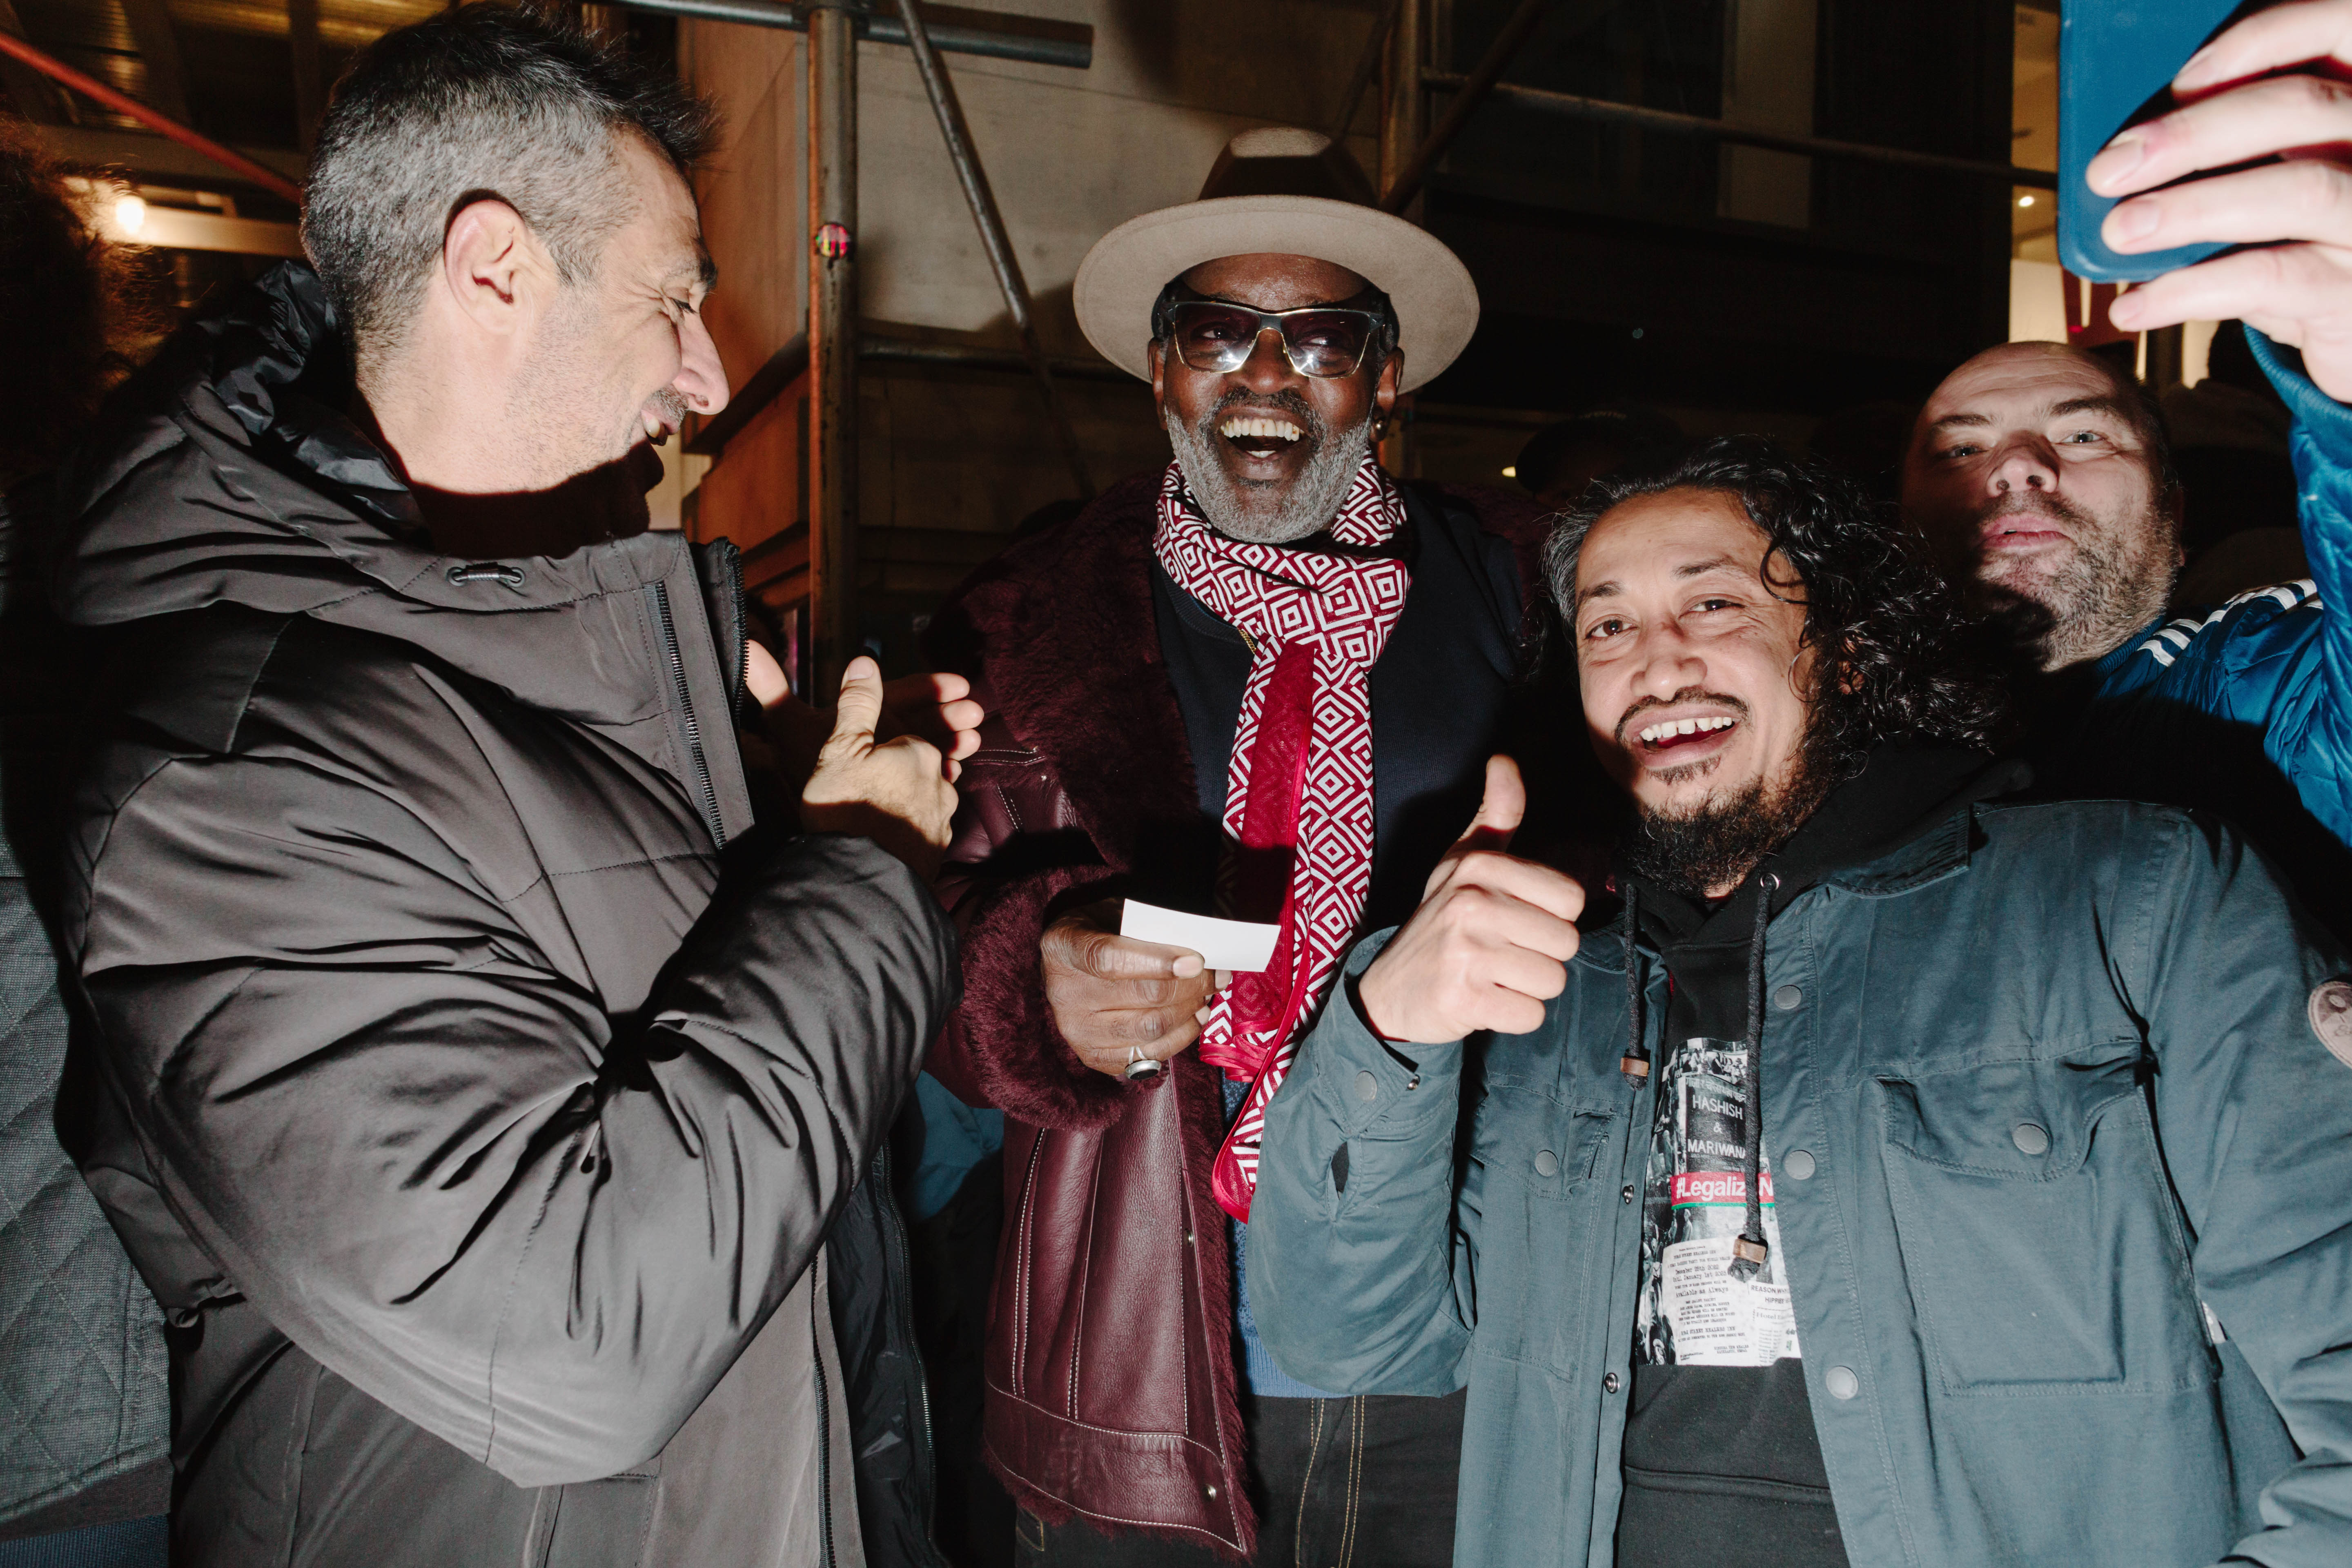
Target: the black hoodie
(470, 1075)
(1722, 1466)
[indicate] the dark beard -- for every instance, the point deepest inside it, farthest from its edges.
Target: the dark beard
(1718, 844)
(2115, 582)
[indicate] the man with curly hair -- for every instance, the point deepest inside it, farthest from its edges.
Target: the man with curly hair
(2056, 1094)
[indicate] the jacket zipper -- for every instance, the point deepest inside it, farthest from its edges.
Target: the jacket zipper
(902, 1313)
(824, 1425)
(708, 793)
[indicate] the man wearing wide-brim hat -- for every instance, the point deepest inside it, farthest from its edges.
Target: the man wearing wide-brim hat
(1260, 683)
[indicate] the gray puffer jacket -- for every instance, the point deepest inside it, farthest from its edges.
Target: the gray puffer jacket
(470, 1076)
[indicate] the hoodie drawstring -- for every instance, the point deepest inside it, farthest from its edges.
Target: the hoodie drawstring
(1635, 1067)
(1749, 1251)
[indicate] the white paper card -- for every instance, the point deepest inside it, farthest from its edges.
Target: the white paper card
(1242, 946)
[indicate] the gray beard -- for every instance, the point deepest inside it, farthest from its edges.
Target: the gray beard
(1264, 514)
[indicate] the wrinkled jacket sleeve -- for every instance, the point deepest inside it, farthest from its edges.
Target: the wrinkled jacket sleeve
(1016, 860)
(427, 1151)
(1373, 1288)
(2281, 659)
(2255, 1116)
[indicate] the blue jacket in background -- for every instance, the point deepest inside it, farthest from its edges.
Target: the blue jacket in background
(2247, 709)
(2070, 1245)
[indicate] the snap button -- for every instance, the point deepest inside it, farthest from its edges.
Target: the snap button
(1547, 1163)
(1611, 1383)
(1799, 1163)
(1626, 1195)
(1211, 1491)
(1368, 1087)
(2031, 1138)
(1841, 1383)
(1787, 997)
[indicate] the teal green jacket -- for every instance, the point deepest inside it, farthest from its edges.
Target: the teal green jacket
(2122, 1342)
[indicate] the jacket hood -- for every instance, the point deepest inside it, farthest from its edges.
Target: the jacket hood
(227, 473)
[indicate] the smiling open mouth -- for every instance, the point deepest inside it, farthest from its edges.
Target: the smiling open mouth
(1675, 731)
(1670, 742)
(1260, 435)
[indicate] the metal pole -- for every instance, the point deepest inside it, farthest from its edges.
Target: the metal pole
(833, 342)
(1667, 121)
(243, 167)
(309, 76)
(1403, 110)
(1367, 68)
(1399, 193)
(1001, 258)
(1066, 44)
(1404, 104)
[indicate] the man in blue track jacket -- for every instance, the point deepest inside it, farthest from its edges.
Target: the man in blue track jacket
(2042, 481)
(2057, 1098)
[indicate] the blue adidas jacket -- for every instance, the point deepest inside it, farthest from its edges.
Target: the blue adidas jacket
(2181, 712)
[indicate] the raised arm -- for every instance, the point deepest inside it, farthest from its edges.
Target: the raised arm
(1364, 1250)
(2265, 101)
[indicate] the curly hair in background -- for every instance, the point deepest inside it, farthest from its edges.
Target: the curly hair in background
(1894, 664)
(66, 315)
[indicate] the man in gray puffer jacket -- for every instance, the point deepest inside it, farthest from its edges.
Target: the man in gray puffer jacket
(473, 1057)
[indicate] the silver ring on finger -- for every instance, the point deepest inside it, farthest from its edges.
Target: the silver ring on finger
(1139, 1065)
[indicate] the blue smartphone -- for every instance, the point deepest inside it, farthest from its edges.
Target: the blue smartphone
(2117, 60)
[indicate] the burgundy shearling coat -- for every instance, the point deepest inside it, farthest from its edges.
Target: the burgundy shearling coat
(1111, 1389)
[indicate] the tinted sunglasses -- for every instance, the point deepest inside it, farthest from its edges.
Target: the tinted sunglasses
(1319, 341)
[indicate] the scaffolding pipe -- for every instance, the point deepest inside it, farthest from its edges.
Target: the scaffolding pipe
(242, 166)
(1516, 30)
(833, 637)
(984, 214)
(1077, 54)
(1368, 69)
(1674, 124)
(1404, 114)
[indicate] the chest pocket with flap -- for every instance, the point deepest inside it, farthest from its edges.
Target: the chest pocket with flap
(2043, 1246)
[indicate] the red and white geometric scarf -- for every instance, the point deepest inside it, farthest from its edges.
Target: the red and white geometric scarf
(1298, 793)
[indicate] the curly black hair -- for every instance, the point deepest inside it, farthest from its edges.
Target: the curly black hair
(1892, 641)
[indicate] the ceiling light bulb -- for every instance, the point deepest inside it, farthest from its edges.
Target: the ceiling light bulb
(129, 214)
(1510, 473)
(2025, 201)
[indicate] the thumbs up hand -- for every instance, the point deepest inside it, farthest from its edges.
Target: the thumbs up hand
(1489, 944)
(894, 792)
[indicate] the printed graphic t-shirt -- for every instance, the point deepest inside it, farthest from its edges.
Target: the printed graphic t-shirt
(1722, 1467)
(1721, 1463)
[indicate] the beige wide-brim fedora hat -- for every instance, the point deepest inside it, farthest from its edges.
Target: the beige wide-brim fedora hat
(1280, 192)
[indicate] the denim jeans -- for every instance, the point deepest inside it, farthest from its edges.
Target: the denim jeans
(1361, 1482)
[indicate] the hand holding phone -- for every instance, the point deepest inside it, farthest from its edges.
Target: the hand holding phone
(2271, 92)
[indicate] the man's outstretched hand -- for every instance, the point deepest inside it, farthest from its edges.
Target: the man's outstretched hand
(1489, 944)
(894, 792)
(2299, 289)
